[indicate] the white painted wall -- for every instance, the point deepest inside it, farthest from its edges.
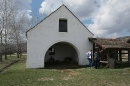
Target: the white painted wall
(46, 34)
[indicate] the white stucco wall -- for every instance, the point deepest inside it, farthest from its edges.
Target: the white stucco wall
(46, 33)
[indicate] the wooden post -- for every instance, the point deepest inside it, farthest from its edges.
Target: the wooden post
(107, 57)
(107, 54)
(120, 57)
(93, 53)
(117, 55)
(93, 48)
(129, 55)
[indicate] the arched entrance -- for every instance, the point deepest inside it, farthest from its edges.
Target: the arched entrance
(61, 55)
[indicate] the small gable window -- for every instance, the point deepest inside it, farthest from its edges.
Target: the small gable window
(62, 25)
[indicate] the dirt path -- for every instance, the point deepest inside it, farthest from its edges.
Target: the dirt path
(4, 69)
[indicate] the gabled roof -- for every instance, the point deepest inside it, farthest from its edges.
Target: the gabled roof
(111, 43)
(54, 12)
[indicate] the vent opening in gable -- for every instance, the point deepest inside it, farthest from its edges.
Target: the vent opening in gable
(62, 25)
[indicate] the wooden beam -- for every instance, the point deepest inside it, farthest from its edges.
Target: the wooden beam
(123, 53)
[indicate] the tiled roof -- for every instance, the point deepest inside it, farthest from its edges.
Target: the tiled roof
(111, 43)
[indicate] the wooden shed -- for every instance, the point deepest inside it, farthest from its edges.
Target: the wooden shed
(112, 50)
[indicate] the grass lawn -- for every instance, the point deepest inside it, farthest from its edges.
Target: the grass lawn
(18, 75)
(10, 60)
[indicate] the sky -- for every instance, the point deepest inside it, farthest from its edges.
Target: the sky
(104, 18)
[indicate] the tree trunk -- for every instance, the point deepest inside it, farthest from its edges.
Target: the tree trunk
(18, 55)
(5, 54)
(0, 57)
(112, 59)
(1, 47)
(112, 63)
(5, 27)
(5, 48)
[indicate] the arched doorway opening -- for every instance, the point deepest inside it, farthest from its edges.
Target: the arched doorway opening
(61, 55)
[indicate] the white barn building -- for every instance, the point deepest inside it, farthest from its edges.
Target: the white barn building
(60, 35)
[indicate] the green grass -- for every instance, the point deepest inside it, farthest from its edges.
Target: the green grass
(10, 60)
(18, 75)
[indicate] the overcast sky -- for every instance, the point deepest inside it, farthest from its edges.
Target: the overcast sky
(104, 18)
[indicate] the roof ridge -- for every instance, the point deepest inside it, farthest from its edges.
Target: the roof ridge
(54, 12)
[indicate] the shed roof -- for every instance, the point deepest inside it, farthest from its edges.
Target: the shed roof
(111, 43)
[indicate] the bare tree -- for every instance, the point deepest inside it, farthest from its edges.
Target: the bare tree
(11, 27)
(18, 24)
(4, 20)
(36, 18)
